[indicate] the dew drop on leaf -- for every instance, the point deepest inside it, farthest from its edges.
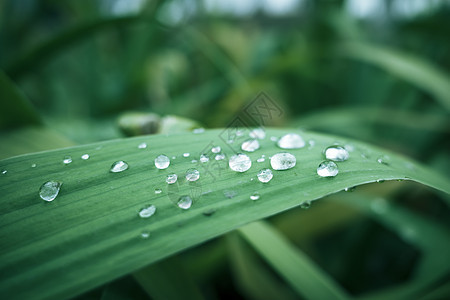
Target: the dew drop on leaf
(67, 159)
(85, 156)
(186, 154)
(204, 158)
(118, 166)
(305, 205)
(240, 162)
(383, 159)
(327, 168)
(198, 130)
(255, 196)
(257, 133)
(145, 234)
(171, 178)
(291, 141)
(283, 161)
(192, 175)
(265, 175)
(216, 149)
(49, 190)
(142, 145)
(147, 211)
(219, 156)
(158, 191)
(336, 153)
(250, 145)
(162, 162)
(184, 202)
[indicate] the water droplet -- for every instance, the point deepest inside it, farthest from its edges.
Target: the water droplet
(184, 202)
(257, 133)
(273, 138)
(162, 162)
(255, 196)
(380, 180)
(67, 159)
(147, 211)
(229, 194)
(336, 153)
(283, 161)
(305, 205)
(194, 161)
(250, 145)
(4, 172)
(239, 132)
(327, 168)
(204, 158)
(350, 189)
(187, 154)
(158, 191)
(216, 149)
(311, 144)
(192, 175)
(145, 234)
(49, 190)
(85, 156)
(118, 166)
(142, 145)
(261, 159)
(174, 157)
(171, 178)
(265, 175)
(33, 165)
(384, 159)
(240, 162)
(349, 148)
(219, 156)
(198, 130)
(291, 141)
(209, 212)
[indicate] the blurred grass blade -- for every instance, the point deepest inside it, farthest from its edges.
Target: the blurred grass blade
(408, 67)
(296, 268)
(15, 109)
(91, 233)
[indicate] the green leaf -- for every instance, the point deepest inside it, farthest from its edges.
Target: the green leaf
(91, 233)
(408, 67)
(295, 267)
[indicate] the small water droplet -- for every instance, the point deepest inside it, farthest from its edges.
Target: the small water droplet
(162, 162)
(216, 149)
(273, 138)
(118, 166)
(204, 158)
(265, 175)
(336, 153)
(171, 178)
(305, 205)
(194, 161)
(198, 130)
(229, 194)
(283, 161)
(145, 234)
(184, 202)
(209, 212)
(350, 189)
(380, 180)
(311, 144)
(384, 159)
(261, 159)
(49, 190)
(187, 154)
(192, 175)
(257, 133)
(255, 196)
(33, 165)
(85, 156)
(67, 159)
(158, 191)
(142, 145)
(327, 168)
(4, 172)
(250, 145)
(291, 141)
(240, 162)
(219, 156)
(147, 211)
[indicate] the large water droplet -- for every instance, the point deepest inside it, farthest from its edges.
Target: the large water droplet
(49, 190)
(147, 211)
(327, 168)
(158, 191)
(240, 162)
(216, 149)
(250, 145)
(85, 156)
(67, 159)
(219, 156)
(198, 130)
(283, 161)
(265, 175)
(184, 202)
(305, 205)
(162, 162)
(192, 175)
(204, 158)
(171, 178)
(142, 145)
(336, 153)
(255, 196)
(118, 166)
(257, 133)
(187, 154)
(291, 141)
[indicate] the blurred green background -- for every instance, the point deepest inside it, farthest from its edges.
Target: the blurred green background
(375, 70)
